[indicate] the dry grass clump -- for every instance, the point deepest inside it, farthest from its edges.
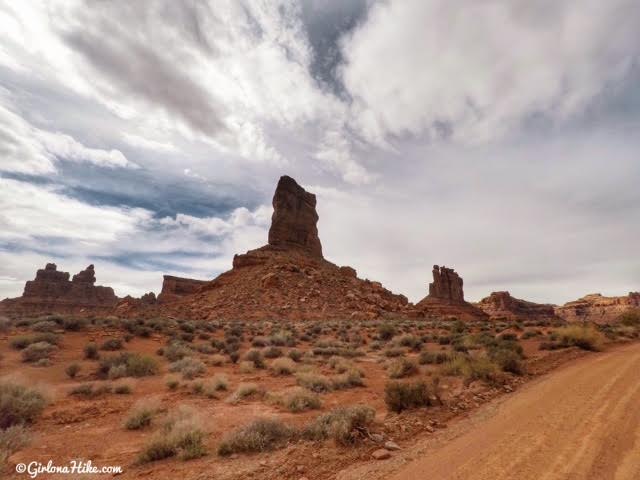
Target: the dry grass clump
(19, 404)
(180, 435)
(12, 439)
(37, 352)
(402, 367)
(472, 368)
(243, 392)
(344, 424)
(127, 365)
(260, 435)
(349, 379)
(296, 399)
(401, 396)
(142, 413)
(189, 367)
(584, 337)
(314, 382)
(283, 366)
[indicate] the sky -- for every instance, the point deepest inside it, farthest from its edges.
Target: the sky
(499, 138)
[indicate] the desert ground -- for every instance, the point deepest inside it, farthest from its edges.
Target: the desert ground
(165, 398)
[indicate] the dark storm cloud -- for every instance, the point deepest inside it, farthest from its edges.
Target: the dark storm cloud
(111, 43)
(327, 22)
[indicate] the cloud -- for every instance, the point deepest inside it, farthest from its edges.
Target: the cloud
(475, 71)
(27, 149)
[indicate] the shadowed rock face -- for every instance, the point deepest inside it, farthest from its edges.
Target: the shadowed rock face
(446, 285)
(176, 287)
(294, 220)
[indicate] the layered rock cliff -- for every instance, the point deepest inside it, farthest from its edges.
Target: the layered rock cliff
(502, 306)
(598, 308)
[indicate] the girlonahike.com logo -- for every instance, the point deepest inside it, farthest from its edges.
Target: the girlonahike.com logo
(33, 469)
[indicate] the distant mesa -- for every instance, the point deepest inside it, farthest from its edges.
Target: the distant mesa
(52, 291)
(446, 298)
(502, 306)
(598, 308)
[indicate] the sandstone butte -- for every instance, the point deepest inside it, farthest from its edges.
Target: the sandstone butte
(289, 278)
(446, 298)
(502, 306)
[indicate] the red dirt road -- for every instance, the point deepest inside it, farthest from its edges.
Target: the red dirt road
(581, 422)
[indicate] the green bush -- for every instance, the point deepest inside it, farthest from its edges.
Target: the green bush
(584, 337)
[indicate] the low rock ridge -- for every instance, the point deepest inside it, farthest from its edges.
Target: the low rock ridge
(503, 306)
(598, 308)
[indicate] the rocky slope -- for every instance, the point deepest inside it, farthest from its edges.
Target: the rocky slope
(286, 279)
(597, 308)
(502, 306)
(446, 298)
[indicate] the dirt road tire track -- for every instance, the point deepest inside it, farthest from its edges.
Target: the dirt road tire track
(581, 422)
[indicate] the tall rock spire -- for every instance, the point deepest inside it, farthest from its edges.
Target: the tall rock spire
(294, 220)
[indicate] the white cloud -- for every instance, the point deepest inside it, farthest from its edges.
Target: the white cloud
(422, 67)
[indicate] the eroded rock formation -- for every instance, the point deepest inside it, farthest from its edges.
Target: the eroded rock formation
(294, 220)
(446, 298)
(446, 285)
(286, 279)
(598, 308)
(52, 291)
(502, 306)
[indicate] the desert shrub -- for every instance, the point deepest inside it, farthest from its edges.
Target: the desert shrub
(471, 368)
(409, 341)
(350, 378)
(141, 366)
(189, 367)
(141, 414)
(19, 404)
(44, 326)
(297, 399)
(217, 360)
(508, 360)
(272, 352)
(402, 367)
(218, 383)
(247, 367)
(158, 448)
(444, 340)
(314, 381)
(258, 436)
(176, 351)
(244, 391)
(283, 366)
(586, 338)
(12, 439)
(37, 351)
(344, 424)
(295, 355)
(394, 352)
(386, 331)
(23, 341)
(509, 336)
(123, 388)
(180, 435)
(259, 342)
(74, 324)
(172, 383)
(88, 390)
(112, 344)
(434, 357)
(91, 351)
(401, 396)
(72, 370)
(256, 357)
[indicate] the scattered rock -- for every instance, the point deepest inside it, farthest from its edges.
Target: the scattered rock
(381, 454)
(389, 445)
